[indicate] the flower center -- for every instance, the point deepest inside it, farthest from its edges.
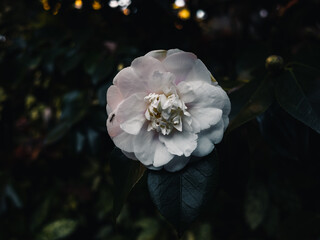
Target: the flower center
(165, 112)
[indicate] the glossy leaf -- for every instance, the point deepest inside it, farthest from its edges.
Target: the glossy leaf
(57, 133)
(260, 101)
(292, 99)
(58, 229)
(126, 174)
(180, 196)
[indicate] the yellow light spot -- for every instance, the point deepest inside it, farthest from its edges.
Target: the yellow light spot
(120, 66)
(126, 11)
(175, 6)
(3, 95)
(30, 99)
(56, 9)
(96, 5)
(34, 114)
(78, 4)
(184, 14)
(45, 5)
(213, 79)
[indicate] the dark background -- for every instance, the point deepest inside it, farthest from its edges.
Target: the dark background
(56, 63)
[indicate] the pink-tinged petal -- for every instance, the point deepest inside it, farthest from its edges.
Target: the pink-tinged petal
(129, 83)
(130, 113)
(204, 147)
(145, 66)
(114, 97)
(109, 110)
(180, 143)
(113, 125)
(124, 141)
(129, 155)
(180, 64)
(199, 72)
(173, 51)
(149, 150)
(202, 94)
(177, 163)
(157, 54)
(203, 118)
(161, 82)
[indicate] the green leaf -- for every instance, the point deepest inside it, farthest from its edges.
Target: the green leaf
(74, 106)
(259, 102)
(126, 174)
(180, 196)
(292, 99)
(80, 141)
(256, 204)
(103, 69)
(57, 133)
(40, 214)
(58, 229)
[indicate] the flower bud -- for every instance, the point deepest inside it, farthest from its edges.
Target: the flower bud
(274, 63)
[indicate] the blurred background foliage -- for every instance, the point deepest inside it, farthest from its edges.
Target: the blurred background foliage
(57, 59)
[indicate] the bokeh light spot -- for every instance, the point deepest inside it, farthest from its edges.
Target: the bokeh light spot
(201, 14)
(184, 14)
(78, 4)
(263, 13)
(96, 5)
(113, 4)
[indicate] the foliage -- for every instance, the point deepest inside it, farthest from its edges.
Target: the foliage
(59, 176)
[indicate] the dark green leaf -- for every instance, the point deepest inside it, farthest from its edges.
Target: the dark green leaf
(257, 104)
(80, 140)
(293, 100)
(57, 133)
(74, 107)
(287, 136)
(58, 229)
(181, 195)
(256, 204)
(102, 70)
(126, 173)
(93, 139)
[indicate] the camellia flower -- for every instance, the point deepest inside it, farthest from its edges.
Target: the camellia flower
(165, 108)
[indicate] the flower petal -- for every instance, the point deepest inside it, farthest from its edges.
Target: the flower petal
(145, 66)
(180, 143)
(129, 155)
(202, 94)
(203, 118)
(157, 54)
(179, 64)
(199, 72)
(161, 82)
(129, 83)
(177, 163)
(113, 125)
(114, 97)
(204, 147)
(215, 132)
(173, 51)
(149, 150)
(124, 141)
(130, 113)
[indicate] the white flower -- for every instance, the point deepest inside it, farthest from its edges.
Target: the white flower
(166, 107)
